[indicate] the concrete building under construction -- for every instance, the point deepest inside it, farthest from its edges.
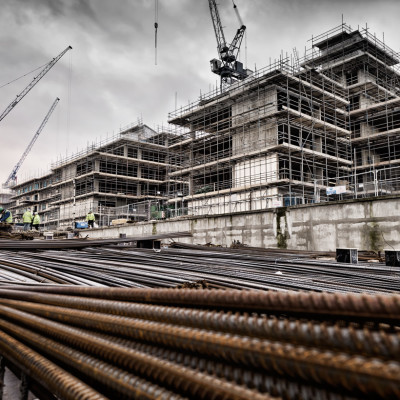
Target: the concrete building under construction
(302, 130)
(131, 167)
(299, 131)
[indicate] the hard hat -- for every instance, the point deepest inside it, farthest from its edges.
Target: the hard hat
(1, 209)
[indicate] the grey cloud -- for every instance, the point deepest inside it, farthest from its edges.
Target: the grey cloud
(109, 78)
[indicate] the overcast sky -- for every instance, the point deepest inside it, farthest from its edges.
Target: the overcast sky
(110, 79)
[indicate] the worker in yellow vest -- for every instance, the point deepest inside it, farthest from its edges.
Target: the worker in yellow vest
(36, 221)
(27, 219)
(6, 218)
(90, 218)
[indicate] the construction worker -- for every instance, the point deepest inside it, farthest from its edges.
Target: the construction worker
(90, 218)
(36, 221)
(27, 219)
(6, 218)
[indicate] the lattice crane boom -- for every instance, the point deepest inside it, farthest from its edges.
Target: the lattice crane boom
(216, 20)
(227, 65)
(34, 81)
(13, 174)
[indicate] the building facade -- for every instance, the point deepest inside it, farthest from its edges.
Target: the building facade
(299, 131)
(131, 167)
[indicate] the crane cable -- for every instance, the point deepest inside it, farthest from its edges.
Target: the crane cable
(156, 28)
(22, 76)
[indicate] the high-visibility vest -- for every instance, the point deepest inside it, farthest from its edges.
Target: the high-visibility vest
(9, 219)
(90, 217)
(27, 217)
(36, 220)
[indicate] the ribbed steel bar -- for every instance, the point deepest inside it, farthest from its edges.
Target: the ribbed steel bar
(336, 337)
(277, 386)
(193, 383)
(367, 375)
(119, 382)
(128, 267)
(51, 376)
(372, 307)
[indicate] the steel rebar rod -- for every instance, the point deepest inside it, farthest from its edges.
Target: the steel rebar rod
(368, 375)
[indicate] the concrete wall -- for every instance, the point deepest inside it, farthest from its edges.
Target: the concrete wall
(366, 224)
(261, 103)
(234, 203)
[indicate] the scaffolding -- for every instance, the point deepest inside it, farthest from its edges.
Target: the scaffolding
(296, 129)
(130, 167)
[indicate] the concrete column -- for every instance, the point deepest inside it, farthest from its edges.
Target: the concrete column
(318, 143)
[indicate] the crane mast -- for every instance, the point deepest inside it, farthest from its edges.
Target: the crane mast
(227, 66)
(35, 80)
(13, 174)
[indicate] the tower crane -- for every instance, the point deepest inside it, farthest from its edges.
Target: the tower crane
(227, 66)
(13, 175)
(35, 80)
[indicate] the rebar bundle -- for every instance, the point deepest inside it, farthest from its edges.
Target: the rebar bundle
(200, 344)
(124, 266)
(110, 322)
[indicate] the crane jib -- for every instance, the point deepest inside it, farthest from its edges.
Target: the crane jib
(34, 81)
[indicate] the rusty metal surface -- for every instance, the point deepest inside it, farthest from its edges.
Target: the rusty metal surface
(53, 378)
(126, 342)
(188, 381)
(263, 382)
(363, 374)
(331, 336)
(121, 383)
(357, 306)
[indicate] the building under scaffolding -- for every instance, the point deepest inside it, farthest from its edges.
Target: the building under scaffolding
(132, 167)
(298, 131)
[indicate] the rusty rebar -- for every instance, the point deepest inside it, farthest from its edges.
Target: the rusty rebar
(367, 375)
(193, 383)
(121, 383)
(251, 377)
(51, 376)
(348, 339)
(373, 307)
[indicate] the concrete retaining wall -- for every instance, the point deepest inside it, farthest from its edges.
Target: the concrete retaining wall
(366, 224)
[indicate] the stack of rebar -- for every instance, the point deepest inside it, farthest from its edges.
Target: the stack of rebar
(123, 266)
(123, 343)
